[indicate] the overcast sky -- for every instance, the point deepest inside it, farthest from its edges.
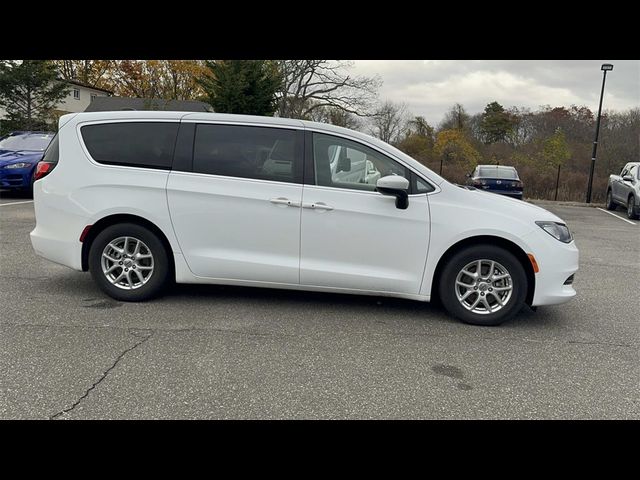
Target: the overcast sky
(431, 87)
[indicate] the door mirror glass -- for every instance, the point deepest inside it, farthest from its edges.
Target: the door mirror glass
(396, 186)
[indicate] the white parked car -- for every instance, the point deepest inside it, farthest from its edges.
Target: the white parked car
(141, 198)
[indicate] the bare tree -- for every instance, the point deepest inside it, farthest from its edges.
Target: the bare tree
(420, 126)
(456, 118)
(309, 85)
(336, 116)
(94, 73)
(389, 122)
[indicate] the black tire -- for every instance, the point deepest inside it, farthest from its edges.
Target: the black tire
(610, 204)
(158, 279)
(631, 208)
(447, 285)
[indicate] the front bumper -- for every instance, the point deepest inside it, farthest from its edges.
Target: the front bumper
(557, 262)
(15, 177)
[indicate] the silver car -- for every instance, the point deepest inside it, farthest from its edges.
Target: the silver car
(624, 190)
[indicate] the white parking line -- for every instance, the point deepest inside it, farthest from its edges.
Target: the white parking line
(611, 213)
(15, 203)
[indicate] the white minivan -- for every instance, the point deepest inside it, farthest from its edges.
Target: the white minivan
(141, 198)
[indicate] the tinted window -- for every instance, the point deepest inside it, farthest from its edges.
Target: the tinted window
(53, 151)
(248, 152)
(492, 172)
(136, 144)
(423, 187)
(342, 163)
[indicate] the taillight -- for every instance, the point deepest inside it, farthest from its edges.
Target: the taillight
(43, 169)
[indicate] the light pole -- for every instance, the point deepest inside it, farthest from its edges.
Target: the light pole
(605, 68)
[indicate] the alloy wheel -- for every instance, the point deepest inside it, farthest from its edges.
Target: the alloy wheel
(127, 263)
(484, 286)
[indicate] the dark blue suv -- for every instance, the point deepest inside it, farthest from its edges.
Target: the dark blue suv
(497, 179)
(20, 152)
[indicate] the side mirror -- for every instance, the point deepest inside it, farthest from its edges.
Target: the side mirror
(396, 186)
(628, 178)
(344, 165)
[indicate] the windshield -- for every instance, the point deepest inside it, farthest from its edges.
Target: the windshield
(490, 172)
(34, 142)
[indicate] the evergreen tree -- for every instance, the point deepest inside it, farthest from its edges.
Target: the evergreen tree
(495, 123)
(29, 91)
(241, 86)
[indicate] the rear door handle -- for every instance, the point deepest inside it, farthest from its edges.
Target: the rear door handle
(284, 201)
(317, 206)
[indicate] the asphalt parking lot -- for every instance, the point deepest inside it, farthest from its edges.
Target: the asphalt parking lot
(211, 352)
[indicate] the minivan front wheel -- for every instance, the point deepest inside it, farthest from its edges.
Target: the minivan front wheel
(483, 285)
(128, 262)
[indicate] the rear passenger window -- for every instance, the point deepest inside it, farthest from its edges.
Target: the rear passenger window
(135, 144)
(248, 152)
(52, 153)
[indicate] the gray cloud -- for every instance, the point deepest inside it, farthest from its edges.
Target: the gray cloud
(430, 87)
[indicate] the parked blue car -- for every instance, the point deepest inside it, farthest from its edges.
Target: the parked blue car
(497, 179)
(20, 152)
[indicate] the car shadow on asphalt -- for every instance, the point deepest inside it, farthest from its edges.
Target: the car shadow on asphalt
(17, 194)
(305, 300)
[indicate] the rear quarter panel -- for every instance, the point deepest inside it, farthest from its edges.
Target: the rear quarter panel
(79, 192)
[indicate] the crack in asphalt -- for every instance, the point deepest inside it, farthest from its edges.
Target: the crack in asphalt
(144, 334)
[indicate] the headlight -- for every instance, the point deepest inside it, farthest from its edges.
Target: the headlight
(557, 230)
(18, 165)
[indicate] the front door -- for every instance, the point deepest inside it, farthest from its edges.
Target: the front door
(353, 237)
(236, 214)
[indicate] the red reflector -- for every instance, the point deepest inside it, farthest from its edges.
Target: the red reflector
(84, 233)
(42, 169)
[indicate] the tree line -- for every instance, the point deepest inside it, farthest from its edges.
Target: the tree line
(545, 144)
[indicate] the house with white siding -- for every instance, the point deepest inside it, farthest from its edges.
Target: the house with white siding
(78, 99)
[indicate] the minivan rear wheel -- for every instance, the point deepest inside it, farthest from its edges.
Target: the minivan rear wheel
(483, 285)
(129, 262)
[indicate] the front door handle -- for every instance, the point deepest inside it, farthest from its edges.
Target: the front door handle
(284, 201)
(317, 206)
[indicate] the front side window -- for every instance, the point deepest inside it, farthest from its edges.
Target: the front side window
(342, 163)
(422, 186)
(262, 153)
(135, 144)
(633, 171)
